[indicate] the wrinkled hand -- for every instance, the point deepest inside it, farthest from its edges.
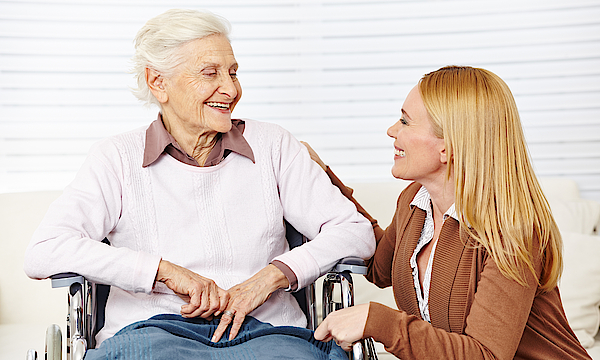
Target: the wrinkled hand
(345, 326)
(203, 297)
(314, 156)
(246, 297)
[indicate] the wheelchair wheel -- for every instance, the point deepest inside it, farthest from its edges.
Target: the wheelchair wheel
(53, 343)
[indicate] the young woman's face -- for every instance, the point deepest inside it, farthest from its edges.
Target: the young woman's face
(418, 154)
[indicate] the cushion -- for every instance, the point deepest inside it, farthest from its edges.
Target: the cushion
(580, 285)
(379, 198)
(20, 215)
(594, 351)
(560, 187)
(577, 215)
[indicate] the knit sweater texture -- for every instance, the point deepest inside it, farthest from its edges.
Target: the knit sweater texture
(224, 222)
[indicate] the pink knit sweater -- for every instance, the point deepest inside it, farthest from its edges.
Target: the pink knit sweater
(224, 222)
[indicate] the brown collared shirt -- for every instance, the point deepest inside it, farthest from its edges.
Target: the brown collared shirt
(159, 141)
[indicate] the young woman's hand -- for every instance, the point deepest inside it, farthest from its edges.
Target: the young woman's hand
(314, 156)
(344, 326)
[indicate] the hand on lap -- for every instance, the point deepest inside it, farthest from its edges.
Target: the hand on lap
(204, 298)
(246, 297)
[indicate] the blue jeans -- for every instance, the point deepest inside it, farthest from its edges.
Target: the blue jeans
(174, 337)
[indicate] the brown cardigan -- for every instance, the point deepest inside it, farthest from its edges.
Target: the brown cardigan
(476, 312)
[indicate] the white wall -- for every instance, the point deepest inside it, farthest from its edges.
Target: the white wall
(334, 72)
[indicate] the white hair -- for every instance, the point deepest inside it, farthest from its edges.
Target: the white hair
(158, 42)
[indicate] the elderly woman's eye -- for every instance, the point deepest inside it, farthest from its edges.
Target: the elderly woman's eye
(233, 76)
(403, 121)
(209, 72)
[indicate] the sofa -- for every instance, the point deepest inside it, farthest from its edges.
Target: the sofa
(27, 307)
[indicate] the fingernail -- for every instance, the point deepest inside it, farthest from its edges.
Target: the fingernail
(213, 339)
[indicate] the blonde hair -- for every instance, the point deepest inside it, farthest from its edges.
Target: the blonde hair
(497, 192)
(158, 42)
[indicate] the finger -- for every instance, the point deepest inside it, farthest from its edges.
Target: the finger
(223, 323)
(214, 303)
(237, 324)
(194, 302)
(204, 304)
(328, 338)
(346, 346)
(192, 305)
(322, 333)
(223, 301)
(199, 304)
(210, 302)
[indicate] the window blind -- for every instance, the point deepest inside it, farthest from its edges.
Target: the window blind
(334, 73)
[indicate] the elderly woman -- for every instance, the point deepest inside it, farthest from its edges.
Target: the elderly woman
(473, 253)
(194, 204)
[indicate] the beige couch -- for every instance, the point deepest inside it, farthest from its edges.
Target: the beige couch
(27, 307)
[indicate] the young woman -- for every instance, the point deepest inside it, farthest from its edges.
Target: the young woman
(473, 253)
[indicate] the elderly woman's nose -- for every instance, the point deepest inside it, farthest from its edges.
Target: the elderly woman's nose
(227, 86)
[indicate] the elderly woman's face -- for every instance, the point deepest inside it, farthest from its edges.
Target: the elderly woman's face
(204, 89)
(418, 154)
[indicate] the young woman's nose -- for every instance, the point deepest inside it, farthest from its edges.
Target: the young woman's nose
(393, 130)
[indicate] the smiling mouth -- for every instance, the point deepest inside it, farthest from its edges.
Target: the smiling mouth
(399, 152)
(218, 105)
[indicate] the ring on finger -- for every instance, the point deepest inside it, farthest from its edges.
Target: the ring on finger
(227, 312)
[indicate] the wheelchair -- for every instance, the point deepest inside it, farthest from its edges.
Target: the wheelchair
(86, 302)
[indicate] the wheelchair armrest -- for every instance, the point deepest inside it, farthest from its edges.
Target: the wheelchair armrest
(353, 265)
(66, 279)
(81, 318)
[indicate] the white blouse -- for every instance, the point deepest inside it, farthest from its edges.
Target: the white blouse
(422, 200)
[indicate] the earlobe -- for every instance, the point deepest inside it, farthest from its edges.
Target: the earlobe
(156, 85)
(443, 156)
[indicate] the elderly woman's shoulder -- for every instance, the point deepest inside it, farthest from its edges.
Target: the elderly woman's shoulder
(130, 141)
(251, 123)
(270, 129)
